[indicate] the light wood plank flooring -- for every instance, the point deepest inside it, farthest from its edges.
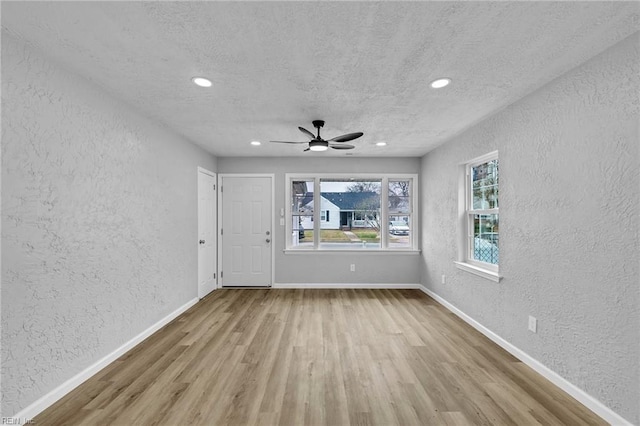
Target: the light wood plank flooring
(317, 357)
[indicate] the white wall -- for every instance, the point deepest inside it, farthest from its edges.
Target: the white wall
(302, 268)
(569, 205)
(99, 224)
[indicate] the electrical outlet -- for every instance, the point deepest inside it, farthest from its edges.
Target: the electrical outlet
(444, 278)
(533, 324)
(281, 221)
(352, 267)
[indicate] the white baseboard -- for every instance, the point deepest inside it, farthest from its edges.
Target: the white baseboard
(587, 400)
(50, 398)
(346, 285)
(584, 398)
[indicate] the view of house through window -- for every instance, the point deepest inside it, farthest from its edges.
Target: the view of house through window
(350, 213)
(353, 207)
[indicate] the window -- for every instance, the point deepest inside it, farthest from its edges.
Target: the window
(481, 215)
(301, 212)
(399, 207)
(361, 212)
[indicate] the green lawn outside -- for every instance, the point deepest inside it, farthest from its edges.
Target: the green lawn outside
(330, 235)
(367, 235)
(333, 235)
(337, 236)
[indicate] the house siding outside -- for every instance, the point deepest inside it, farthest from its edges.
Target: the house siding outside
(334, 216)
(350, 202)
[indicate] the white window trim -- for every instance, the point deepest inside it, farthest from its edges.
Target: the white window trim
(367, 252)
(477, 270)
(384, 211)
(465, 261)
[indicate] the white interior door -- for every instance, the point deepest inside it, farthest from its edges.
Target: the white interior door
(246, 232)
(206, 232)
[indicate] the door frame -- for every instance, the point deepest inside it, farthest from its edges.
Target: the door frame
(221, 177)
(215, 226)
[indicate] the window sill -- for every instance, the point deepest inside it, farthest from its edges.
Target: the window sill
(481, 272)
(360, 251)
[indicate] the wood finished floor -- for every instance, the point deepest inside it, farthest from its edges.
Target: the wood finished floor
(317, 357)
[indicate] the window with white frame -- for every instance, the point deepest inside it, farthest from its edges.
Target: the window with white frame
(360, 212)
(482, 220)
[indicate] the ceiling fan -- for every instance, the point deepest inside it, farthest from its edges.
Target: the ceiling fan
(318, 144)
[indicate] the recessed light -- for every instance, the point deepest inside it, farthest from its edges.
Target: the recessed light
(440, 83)
(202, 82)
(381, 144)
(256, 143)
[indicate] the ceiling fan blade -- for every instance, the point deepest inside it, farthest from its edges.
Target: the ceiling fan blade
(306, 132)
(346, 138)
(345, 146)
(286, 142)
(308, 149)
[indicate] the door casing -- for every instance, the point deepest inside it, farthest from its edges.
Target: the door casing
(214, 233)
(221, 177)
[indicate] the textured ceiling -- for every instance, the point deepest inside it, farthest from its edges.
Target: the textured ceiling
(361, 66)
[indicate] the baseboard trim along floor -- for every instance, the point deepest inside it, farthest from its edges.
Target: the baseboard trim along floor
(587, 400)
(50, 398)
(413, 286)
(584, 398)
(248, 356)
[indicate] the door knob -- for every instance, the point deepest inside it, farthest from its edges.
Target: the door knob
(268, 233)
(268, 240)
(201, 241)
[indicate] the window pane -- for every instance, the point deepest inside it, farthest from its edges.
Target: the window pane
(399, 231)
(484, 181)
(352, 214)
(399, 196)
(486, 238)
(302, 213)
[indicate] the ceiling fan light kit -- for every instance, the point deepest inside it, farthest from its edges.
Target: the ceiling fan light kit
(316, 142)
(318, 146)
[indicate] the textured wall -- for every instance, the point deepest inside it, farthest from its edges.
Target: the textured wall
(98, 224)
(329, 267)
(569, 201)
